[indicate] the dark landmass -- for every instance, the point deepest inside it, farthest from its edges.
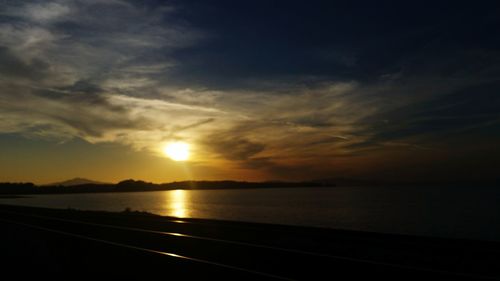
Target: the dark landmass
(138, 185)
(76, 181)
(75, 244)
(423, 182)
(79, 185)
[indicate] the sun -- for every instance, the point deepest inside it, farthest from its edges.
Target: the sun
(177, 151)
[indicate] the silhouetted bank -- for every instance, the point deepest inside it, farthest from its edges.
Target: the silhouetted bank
(138, 185)
(131, 185)
(77, 244)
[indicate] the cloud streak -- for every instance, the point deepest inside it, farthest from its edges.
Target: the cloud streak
(125, 72)
(67, 67)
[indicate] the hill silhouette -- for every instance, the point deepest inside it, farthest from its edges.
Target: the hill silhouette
(131, 185)
(76, 181)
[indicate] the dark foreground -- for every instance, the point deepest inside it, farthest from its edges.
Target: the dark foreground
(82, 244)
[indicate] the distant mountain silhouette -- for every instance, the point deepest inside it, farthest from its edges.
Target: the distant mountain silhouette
(75, 182)
(79, 185)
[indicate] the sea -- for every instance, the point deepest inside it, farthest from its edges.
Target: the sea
(453, 212)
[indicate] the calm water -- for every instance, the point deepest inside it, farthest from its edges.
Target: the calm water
(436, 211)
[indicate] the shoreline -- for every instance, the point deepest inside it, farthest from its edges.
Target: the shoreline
(66, 235)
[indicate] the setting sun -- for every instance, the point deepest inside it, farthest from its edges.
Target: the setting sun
(177, 151)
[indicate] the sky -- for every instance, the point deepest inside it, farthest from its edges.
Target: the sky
(260, 90)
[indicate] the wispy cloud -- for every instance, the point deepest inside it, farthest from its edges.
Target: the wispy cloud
(67, 66)
(105, 71)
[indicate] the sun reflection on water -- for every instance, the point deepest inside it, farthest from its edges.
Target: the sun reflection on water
(176, 203)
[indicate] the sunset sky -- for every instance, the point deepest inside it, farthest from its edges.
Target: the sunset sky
(259, 90)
